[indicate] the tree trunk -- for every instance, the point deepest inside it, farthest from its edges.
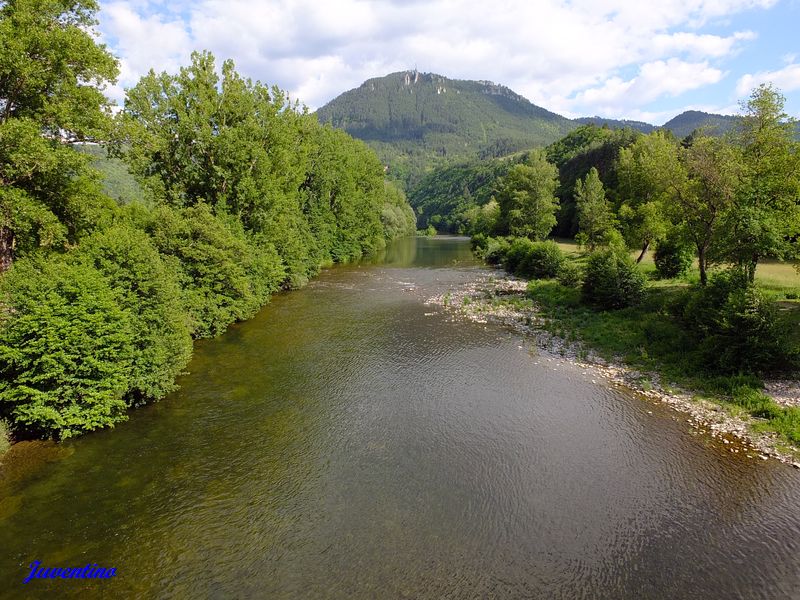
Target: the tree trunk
(701, 261)
(644, 251)
(6, 248)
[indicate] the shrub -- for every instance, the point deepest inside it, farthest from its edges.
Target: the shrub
(736, 326)
(66, 348)
(672, 257)
(569, 275)
(479, 242)
(224, 276)
(496, 249)
(612, 280)
(517, 252)
(542, 261)
(149, 292)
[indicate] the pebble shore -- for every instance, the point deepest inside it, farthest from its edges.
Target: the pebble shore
(493, 297)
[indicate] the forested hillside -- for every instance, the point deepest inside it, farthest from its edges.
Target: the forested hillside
(223, 192)
(418, 121)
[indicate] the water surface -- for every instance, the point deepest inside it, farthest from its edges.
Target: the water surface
(352, 442)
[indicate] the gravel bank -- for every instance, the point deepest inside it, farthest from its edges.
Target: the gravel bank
(496, 298)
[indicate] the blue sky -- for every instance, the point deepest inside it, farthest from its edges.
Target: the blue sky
(613, 58)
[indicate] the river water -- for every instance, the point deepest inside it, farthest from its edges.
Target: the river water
(352, 442)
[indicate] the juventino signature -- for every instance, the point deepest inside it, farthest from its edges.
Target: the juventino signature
(87, 572)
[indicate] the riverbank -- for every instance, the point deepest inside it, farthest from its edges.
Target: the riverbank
(502, 298)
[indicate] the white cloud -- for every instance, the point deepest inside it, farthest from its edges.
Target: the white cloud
(570, 56)
(786, 79)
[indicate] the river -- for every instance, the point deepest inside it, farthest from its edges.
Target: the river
(352, 442)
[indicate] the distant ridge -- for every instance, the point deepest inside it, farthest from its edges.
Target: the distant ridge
(417, 121)
(617, 124)
(687, 122)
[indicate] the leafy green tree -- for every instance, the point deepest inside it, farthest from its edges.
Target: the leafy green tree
(150, 294)
(766, 216)
(594, 213)
(51, 72)
(527, 199)
(704, 201)
(224, 276)
(648, 171)
(66, 348)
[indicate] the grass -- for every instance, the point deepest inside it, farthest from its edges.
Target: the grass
(648, 337)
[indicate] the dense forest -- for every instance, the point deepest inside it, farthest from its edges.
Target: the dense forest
(218, 192)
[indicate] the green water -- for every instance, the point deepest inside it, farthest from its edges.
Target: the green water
(353, 442)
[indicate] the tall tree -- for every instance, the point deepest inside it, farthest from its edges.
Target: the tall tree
(527, 198)
(51, 74)
(647, 171)
(766, 216)
(594, 212)
(706, 197)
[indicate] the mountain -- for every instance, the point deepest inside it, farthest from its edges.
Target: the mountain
(687, 122)
(419, 121)
(617, 124)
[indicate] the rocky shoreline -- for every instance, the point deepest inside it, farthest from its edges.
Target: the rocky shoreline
(496, 297)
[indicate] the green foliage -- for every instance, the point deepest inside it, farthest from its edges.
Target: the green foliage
(766, 216)
(496, 250)
(459, 194)
(66, 348)
(526, 198)
(147, 292)
(736, 327)
(397, 216)
(50, 67)
(429, 231)
(612, 280)
(224, 276)
(673, 257)
(521, 256)
(570, 275)
(115, 178)
(594, 213)
(418, 122)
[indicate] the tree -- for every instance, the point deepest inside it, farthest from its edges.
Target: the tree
(527, 199)
(648, 173)
(594, 213)
(66, 348)
(51, 70)
(766, 214)
(702, 204)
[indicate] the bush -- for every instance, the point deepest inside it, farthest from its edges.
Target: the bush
(543, 261)
(612, 280)
(496, 249)
(66, 348)
(479, 242)
(569, 275)
(224, 276)
(518, 250)
(672, 257)
(149, 292)
(736, 326)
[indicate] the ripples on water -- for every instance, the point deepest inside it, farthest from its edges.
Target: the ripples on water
(344, 444)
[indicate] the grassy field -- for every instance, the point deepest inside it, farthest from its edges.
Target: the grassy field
(780, 279)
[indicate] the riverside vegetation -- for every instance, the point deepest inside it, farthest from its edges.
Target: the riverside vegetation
(236, 193)
(714, 208)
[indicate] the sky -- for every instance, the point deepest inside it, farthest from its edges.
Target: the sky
(637, 59)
